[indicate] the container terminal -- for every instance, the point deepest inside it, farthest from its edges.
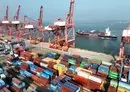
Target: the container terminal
(28, 63)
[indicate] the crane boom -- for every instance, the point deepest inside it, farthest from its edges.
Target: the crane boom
(6, 16)
(40, 20)
(16, 17)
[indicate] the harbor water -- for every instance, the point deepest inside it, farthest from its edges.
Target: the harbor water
(102, 45)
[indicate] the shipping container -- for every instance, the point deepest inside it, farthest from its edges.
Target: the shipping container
(5, 90)
(66, 89)
(72, 68)
(2, 83)
(49, 72)
(103, 71)
(129, 76)
(112, 89)
(124, 87)
(45, 75)
(75, 88)
(81, 80)
(95, 83)
(72, 61)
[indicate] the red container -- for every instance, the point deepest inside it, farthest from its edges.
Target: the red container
(26, 56)
(93, 85)
(6, 90)
(24, 66)
(17, 81)
(66, 89)
(80, 80)
(43, 81)
(39, 69)
(51, 64)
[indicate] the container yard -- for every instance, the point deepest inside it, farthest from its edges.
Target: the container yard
(28, 63)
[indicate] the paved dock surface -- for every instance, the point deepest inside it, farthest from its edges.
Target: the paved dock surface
(44, 47)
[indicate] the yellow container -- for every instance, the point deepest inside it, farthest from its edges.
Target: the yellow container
(120, 89)
(35, 55)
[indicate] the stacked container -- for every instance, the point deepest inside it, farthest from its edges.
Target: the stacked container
(103, 71)
(18, 86)
(24, 66)
(40, 81)
(129, 76)
(2, 83)
(5, 90)
(26, 56)
(113, 86)
(61, 68)
(113, 72)
(95, 83)
(123, 87)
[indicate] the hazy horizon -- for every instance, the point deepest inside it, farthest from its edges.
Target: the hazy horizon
(85, 10)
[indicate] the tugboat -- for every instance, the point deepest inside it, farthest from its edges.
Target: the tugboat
(97, 34)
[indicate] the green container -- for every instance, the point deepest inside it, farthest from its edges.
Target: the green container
(82, 64)
(71, 61)
(113, 75)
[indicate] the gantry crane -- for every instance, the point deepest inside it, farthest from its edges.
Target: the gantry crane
(5, 22)
(63, 31)
(125, 39)
(15, 23)
(32, 28)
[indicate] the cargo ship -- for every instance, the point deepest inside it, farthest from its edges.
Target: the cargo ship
(97, 34)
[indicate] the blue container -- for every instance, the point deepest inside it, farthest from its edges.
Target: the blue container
(49, 72)
(19, 86)
(22, 72)
(53, 85)
(29, 63)
(103, 68)
(43, 74)
(28, 74)
(67, 56)
(2, 83)
(72, 68)
(72, 86)
(67, 78)
(129, 76)
(94, 66)
(124, 85)
(1, 71)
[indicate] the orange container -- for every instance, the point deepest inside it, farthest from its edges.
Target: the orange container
(65, 89)
(34, 77)
(80, 80)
